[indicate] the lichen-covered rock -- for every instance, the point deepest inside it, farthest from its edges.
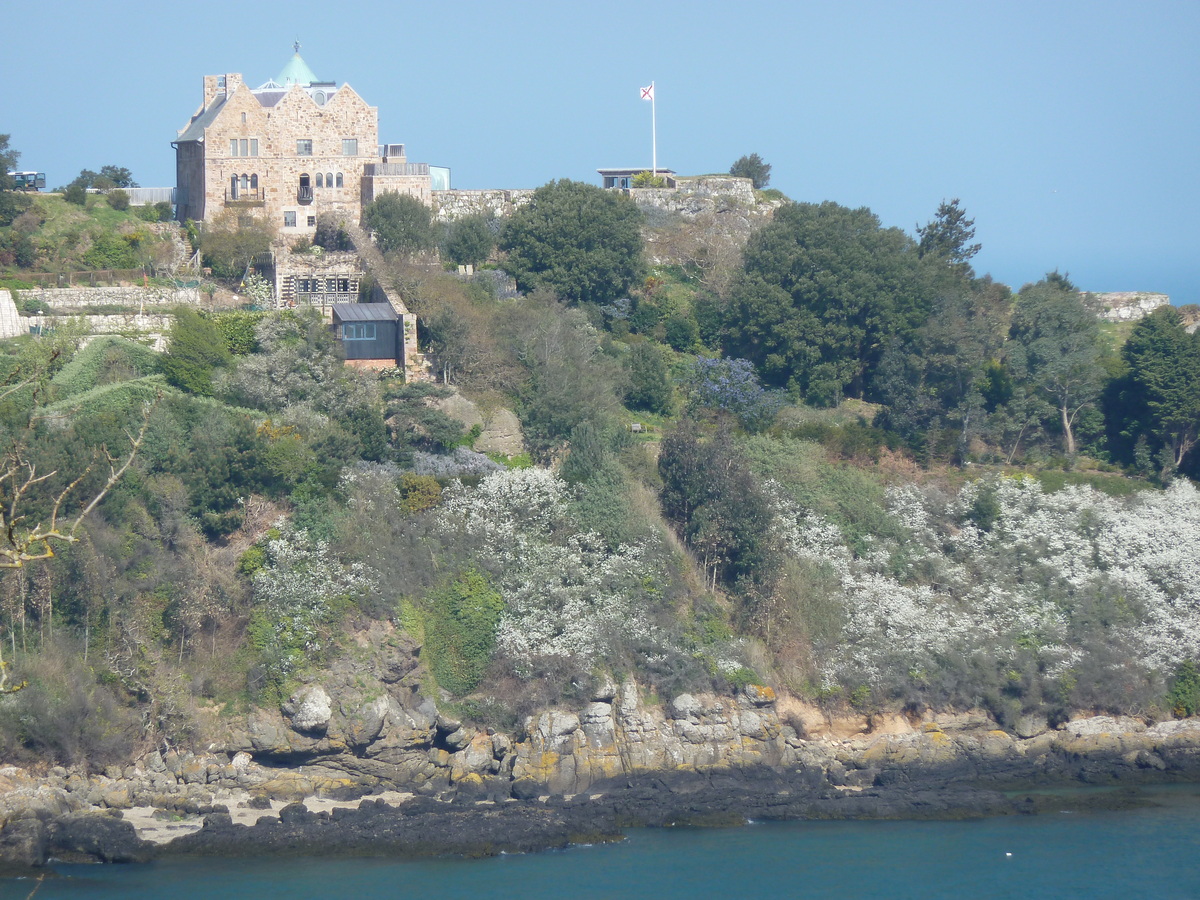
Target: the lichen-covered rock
(311, 710)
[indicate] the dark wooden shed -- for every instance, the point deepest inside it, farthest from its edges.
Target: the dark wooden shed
(369, 332)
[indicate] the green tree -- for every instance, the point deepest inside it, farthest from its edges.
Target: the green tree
(1163, 384)
(823, 291)
(570, 379)
(447, 338)
(948, 235)
(469, 241)
(400, 223)
(649, 382)
(230, 243)
(118, 176)
(331, 233)
(195, 349)
(1055, 347)
(579, 241)
(720, 509)
(8, 162)
(936, 385)
(12, 203)
(754, 168)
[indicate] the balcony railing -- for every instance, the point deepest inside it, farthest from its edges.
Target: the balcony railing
(248, 195)
(326, 299)
(378, 169)
(304, 195)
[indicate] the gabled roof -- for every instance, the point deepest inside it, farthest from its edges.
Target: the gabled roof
(271, 97)
(194, 130)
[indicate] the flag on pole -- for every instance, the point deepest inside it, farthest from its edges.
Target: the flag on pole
(648, 93)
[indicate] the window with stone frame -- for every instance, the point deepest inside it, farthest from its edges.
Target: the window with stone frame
(289, 219)
(304, 147)
(349, 147)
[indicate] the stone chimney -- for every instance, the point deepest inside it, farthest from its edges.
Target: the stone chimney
(218, 85)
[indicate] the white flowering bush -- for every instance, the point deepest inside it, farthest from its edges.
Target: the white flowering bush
(1097, 596)
(567, 596)
(297, 594)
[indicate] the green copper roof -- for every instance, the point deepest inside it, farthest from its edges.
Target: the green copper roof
(296, 72)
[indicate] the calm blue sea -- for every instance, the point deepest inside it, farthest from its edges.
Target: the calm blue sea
(1150, 853)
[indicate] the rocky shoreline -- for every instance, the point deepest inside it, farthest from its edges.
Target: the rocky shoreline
(424, 784)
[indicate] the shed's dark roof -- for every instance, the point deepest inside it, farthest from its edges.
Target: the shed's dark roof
(364, 312)
(195, 129)
(634, 171)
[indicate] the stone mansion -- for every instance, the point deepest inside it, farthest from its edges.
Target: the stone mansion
(290, 149)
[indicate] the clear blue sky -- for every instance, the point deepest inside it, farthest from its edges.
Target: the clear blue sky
(1070, 130)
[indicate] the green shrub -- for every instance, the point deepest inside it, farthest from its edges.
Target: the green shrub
(106, 359)
(196, 349)
(64, 716)
(118, 200)
(110, 251)
(237, 327)
(460, 630)
(1184, 697)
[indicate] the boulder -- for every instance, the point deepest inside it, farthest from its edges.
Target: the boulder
(686, 706)
(501, 434)
(312, 710)
(364, 724)
(22, 845)
(88, 837)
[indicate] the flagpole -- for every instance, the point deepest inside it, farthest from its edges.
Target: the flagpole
(653, 133)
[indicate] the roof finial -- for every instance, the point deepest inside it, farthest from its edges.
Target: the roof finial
(296, 45)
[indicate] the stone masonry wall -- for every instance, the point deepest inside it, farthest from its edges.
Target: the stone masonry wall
(152, 329)
(66, 299)
(1125, 306)
(451, 205)
(277, 129)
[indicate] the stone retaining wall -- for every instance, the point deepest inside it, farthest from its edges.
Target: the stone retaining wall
(153, 329)
(451, 205)
(1125, 306)
(63, 299)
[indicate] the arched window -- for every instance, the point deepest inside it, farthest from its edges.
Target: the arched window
(320, 183)
(328, 179)
(339, 179)
(245, 182)
(254, 182)
(233, 188)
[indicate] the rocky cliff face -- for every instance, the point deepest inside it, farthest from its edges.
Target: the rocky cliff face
(617, 759)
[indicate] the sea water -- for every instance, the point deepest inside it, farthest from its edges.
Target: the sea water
(1151, 852)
